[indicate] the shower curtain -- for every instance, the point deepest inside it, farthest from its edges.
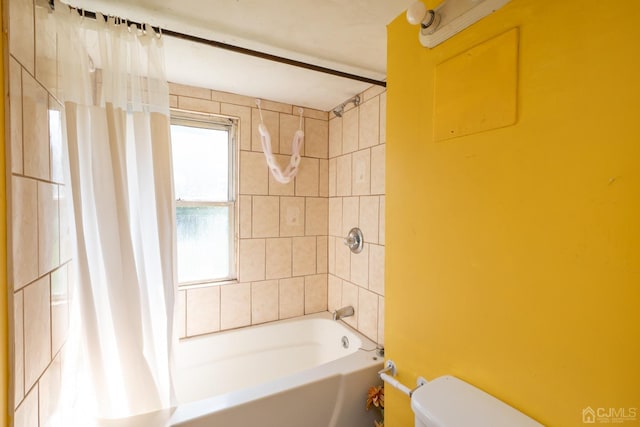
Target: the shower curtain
(116, 106)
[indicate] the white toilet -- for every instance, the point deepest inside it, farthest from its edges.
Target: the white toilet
(450, 402)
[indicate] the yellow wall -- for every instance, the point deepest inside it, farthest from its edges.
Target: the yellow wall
(513, 255)
(4, 316)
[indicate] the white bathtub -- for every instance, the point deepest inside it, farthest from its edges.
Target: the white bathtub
(288, 374)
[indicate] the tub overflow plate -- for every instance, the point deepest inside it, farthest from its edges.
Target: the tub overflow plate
(345, 342)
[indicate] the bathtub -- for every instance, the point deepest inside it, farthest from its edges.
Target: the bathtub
(309, 371)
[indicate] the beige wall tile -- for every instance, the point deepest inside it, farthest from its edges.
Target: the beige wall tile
(343, 177)
(22, 40)
(350, 131)
(291, 297)
(335, 216)
(59, 308)
(372, 92)
(335, 137)
(48, 227)
(252, 260)
(332, 254)
(383, 118)
(278, 258)
(254, 177)
(46, 49)
(368, 218)
(18, 342)
(343, 260)
(369, 124)
(323, 190)
(292, 216)
(308, 178)
(272, 123)
(360, 267)
(378, 167)
(316, 134)
(15, 104)
(381, 233)
(361, 184)
(304, 256)
(317, 213)
(203, 310)
(350, 214)
(235, 305)
(380, 320)
(244, 126)
(232, 98)
(35, 104)
(288, 126)
(333, 177)
(264, 301)
(322, 253)
(276, 188)
(368, 313)
(37, 330)
(189, 91)
(350, 297)
(245, 208)
(24, 222)
(276, 106)
(315, 293)
(27, 413)
(49, 391)
(198, 104)
(181, 314)
(334, 293)
(266, 216)
(312, 114)
(376, 269)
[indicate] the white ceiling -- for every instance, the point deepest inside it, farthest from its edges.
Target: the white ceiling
(345, 35)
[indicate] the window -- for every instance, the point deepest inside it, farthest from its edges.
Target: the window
(203, 151)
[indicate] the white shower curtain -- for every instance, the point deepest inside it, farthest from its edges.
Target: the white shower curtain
(116, 103)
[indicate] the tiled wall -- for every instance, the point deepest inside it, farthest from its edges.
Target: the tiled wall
(291, 235)
(292, 260)
(39, 233)
(283, 266)
(357, 198)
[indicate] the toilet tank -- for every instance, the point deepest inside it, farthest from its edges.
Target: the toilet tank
(450, 402)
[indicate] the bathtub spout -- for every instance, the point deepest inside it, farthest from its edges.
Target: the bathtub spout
(343, 312)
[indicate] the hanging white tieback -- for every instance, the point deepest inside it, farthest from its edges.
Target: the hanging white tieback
(292, 168)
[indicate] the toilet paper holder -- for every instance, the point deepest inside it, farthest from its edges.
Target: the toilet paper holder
(391, 371)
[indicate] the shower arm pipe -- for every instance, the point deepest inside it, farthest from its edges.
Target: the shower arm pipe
(243, 51)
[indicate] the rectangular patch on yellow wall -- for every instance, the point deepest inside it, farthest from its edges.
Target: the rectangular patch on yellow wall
(475, 91)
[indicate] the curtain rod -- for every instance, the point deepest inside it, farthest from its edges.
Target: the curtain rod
(242, 50)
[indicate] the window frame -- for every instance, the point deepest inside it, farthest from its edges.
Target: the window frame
(229, 124)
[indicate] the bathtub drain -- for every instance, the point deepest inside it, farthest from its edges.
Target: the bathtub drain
(345, 342)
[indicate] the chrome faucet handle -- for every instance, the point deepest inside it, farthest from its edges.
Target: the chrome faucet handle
(355, 240)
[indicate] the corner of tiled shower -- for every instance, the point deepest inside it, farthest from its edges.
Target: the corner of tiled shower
(291, 257)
